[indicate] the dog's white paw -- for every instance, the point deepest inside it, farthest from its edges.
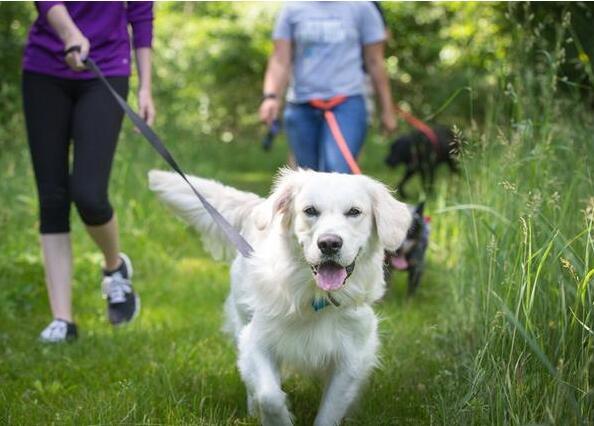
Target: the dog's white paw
(273, 410)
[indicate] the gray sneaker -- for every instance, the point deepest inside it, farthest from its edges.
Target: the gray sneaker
(59, 331)
(122, 303)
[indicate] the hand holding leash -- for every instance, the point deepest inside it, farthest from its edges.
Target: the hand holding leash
(76, 52)
(269, 109)
(389, 123)
(273, 130)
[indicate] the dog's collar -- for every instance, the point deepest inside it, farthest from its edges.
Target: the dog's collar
(319, 303)
(350, 268)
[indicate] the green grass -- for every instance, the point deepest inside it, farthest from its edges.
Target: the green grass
(529, 285)
(173, 365)
(501, 331)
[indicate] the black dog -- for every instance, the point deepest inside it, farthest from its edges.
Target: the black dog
(410, 256)
(419, 154)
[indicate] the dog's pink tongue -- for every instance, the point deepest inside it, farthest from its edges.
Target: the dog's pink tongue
(399, 262)
(330, 276)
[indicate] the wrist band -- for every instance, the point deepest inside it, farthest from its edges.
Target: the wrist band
(269, 96)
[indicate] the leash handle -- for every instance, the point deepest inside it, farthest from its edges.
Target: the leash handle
(273, 130)
(231, 233)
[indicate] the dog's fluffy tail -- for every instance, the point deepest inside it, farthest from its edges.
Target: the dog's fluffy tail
(235, 206)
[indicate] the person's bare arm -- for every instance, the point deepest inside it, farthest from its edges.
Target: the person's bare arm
(146, 106)
(374, 62)
(60, 20)
(275, 80)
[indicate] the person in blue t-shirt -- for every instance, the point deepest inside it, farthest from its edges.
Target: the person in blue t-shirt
(323, 47)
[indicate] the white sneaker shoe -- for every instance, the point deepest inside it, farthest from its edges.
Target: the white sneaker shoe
(123, 304)
(59, 331)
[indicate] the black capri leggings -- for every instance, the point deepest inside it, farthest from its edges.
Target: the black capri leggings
(56, 111)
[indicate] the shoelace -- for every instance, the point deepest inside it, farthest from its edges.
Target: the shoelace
(55, 331)
(115, 288)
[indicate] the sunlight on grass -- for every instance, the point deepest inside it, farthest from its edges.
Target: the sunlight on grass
(192, 265)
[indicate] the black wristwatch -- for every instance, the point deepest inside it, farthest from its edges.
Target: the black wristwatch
(269, 96)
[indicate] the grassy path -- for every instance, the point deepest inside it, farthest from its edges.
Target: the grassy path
(173, 365)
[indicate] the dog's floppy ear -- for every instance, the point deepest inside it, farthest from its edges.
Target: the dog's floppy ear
(280, 201)
(392, 217)
(419, 208)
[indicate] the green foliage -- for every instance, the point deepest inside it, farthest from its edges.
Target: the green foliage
(436, 49)
(15, 18)
(577, 49)
(210, 61)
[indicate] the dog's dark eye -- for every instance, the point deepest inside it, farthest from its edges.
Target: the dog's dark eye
(353, 212)
(311, 211)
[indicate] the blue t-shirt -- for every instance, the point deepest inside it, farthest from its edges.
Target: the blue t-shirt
(327, 39)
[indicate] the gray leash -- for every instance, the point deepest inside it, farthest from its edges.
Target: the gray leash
(230, 232)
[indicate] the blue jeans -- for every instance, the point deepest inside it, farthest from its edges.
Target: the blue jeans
(311, 140)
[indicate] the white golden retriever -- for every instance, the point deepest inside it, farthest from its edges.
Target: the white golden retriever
(303, 299)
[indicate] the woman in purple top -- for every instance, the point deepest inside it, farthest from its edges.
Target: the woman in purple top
(63, 101)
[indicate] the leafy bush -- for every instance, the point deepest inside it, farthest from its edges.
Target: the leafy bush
(15, 19)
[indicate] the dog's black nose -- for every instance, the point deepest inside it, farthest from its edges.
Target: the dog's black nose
(329, 243)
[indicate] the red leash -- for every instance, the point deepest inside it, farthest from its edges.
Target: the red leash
(421, 126)
(328, 105)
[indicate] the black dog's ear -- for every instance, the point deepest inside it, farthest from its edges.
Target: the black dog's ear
(419, 209)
